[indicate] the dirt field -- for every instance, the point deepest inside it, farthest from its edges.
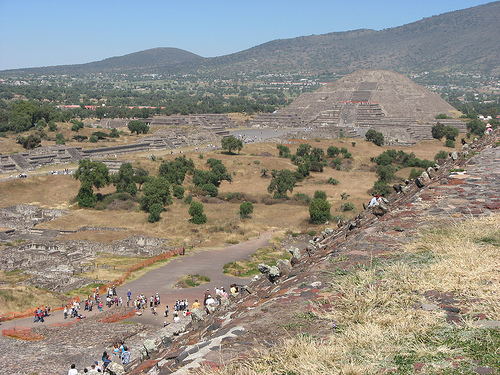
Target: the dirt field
(224, 225)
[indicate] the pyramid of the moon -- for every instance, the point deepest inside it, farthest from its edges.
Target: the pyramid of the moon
(385, 101)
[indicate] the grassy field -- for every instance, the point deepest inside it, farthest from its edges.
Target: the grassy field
(224, 225)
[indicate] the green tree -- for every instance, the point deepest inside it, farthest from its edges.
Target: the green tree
(284, 151)
(175, 171)
(91, 174)
(380, 188)
(450, 133)
(211, 189)
(246, 209)
(317, 154)
(178, 191)
(319, 211)
(231, 143)
(52, 126)
(283, 182)
(60, 139)
(124, 180)
(332, 151)
(196, 212)
(385, 172)
(30, 142)
(141, 176)
(157, 190)
(136, 126)
(476, 127)
(155, 211)
(375, 137)
(303, 149)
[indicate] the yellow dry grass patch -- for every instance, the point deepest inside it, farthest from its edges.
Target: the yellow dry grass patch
(376, 319)
(20, 298)
(48, 191)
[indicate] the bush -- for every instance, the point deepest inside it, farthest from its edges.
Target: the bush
(246, 208)
(155, 211)
(348, 206)
(449, 143)
(385, 172)
(302, 198)
(332, 151)
(337, 163)
(316, 166)
(319, 211)
(60, 139)
(211, 190)
(380, 188)
(196, 212)
(319, 194)
(332, 181)
(415, 173)
(441, 155)
(375, 137)
(178, 191)
(188, 199)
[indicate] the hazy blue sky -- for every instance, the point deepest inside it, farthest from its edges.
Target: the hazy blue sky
(37, 33)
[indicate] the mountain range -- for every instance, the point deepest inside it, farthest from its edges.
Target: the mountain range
(463, 40)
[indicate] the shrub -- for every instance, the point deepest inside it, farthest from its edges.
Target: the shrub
(256, 162)
(332, 181)
(319, 211)
(332, 151)
(196, 212)
(178, 191)
(188, 199)
(319, 194)
(385, 172)
(246, 208)
(441, 155)
(381, 188)
(375, 137)
(302, 198)
(337, 163)
(155, 211)
(415, 173)
(316, 166)
(449, 143)
(211, 189)
(348, 206)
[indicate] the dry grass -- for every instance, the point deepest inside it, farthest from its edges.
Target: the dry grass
(19, 298)
(376, 325)
(224, 225)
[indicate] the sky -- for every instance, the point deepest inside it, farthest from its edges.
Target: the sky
(35, 33)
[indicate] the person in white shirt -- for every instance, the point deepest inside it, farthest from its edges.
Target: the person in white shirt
(73, 370)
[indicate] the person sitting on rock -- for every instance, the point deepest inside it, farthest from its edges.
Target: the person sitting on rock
(125, 356)
(176, 318)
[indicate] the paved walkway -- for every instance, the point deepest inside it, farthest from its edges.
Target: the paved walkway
(207, 262)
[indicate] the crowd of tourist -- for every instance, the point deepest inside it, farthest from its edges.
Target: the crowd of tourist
(120, 354)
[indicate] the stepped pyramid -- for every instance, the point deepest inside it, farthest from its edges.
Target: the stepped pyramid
(386, 101)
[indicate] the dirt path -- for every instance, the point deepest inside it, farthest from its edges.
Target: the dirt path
(161, 280)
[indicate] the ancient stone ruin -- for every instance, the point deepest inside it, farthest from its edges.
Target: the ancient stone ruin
(386, 101)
